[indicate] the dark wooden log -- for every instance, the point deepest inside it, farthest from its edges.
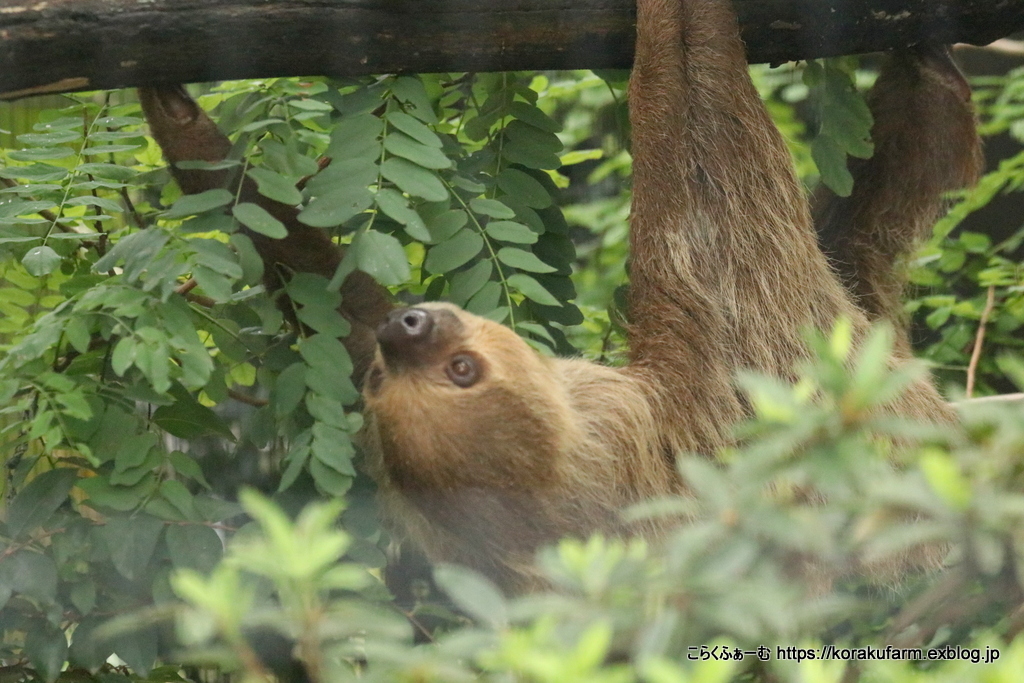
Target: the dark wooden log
(61, 45)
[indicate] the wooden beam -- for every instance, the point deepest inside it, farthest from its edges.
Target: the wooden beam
(61, 45)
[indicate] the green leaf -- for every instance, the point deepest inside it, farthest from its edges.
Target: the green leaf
(259, 125)
(471, 186)
(284, 156)
(337, 206)
(298, 456)
(404, 146)
(356, 136)
(467, 283)
(86, 650)
(199, 165)
(523, 260)
(20, 207)
(944, 476)
(41, 261)
(191, 204)
(111, 171)
(831, 162)
(323, 353)
(577, 156)
(258, 219)
(845, 116)
(329, 480)
(47, 649)
(248, 258)
(325, 319)
(121, 498)
(289, 388)
(131, 542)
(138, 649)
(531, 147)
(35, 503)
(89, 200)
(510, 231)
(445, 224)
(29, 573)
(186, 466)
(486, 300)
(189, 419)
(473, 594)
(42, 154)
(536, 330)
(414, 179)
(310, 105)
(123, 356)
(414, 129)
(326, 410)
(133, 451)
(409, 91)
(453, 253)
(333, 447)
(309, 289)
(382, 257)
(41, 173)
(55, 138)
(214, 284)
(524, 188)
(492, 208)
(194, 546)
(98, 150)
(533, 115)
(83, 596)
(64, 123)
(77, 332)
(343, 175)
(332, 381)
(216, 256)
(532, 289)
(273, 185)
(396, 205)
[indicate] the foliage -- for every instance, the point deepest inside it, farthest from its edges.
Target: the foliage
(974, 279)
(146, 376)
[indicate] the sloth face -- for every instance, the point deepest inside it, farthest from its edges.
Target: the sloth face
(432, 343)
(455, 399)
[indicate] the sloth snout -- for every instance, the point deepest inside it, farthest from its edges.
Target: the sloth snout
(404, 329)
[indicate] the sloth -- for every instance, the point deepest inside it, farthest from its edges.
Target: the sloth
(484, 450)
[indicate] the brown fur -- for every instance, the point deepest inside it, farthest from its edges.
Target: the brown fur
(922, 110)
(726, 275)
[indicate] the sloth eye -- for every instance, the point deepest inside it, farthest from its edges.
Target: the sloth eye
(463, 371)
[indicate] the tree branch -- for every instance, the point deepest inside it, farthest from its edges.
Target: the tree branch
(63, 45)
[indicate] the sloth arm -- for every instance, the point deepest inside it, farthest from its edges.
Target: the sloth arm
(926, 144)
(186, 133)
(726, 271)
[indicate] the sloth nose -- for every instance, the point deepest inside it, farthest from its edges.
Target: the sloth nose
(403, 329)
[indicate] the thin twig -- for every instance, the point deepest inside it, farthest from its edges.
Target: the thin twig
(187, 287)
(321, 164)
(245, 398)
(1003, 46)
(204, 301)
(417, 625)
(186, 291)
(991, 399)
(132, 211)
(979, 340)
